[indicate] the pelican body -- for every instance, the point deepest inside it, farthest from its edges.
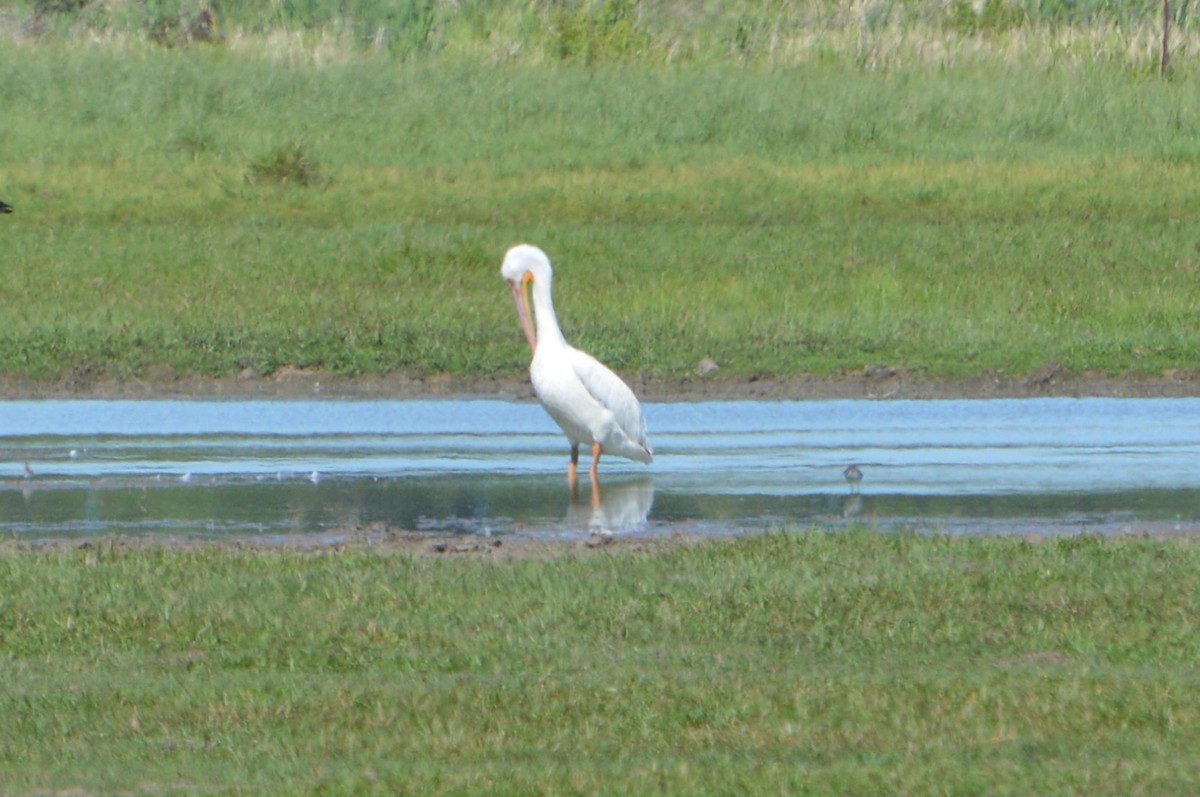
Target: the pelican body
(590, 403)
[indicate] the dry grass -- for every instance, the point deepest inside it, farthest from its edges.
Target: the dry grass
(870, 34)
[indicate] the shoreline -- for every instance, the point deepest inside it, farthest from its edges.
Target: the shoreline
(870, 384)
(298, 384)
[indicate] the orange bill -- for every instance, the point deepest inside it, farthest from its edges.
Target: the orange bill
(521, 298)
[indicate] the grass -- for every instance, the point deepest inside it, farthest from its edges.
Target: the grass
(654, 31)
(778, 223)
(929, 186)
(267, 200)
(807, 663)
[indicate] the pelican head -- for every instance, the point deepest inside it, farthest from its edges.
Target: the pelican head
(525, 266)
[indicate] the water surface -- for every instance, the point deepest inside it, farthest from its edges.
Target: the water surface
(220, 468)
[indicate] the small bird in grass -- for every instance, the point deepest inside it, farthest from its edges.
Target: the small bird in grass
(853, 475)
(5, 207)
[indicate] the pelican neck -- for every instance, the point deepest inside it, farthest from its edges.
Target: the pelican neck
(545, 319)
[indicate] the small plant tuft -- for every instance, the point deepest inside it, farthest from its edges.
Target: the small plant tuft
(287, 165)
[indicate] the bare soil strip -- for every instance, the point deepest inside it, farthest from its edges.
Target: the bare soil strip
(872, 383)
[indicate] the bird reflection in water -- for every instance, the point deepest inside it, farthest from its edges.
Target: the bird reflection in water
(622, 507)
(852, 504)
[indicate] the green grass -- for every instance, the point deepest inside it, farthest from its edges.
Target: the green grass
(803, 663)
(268, 200)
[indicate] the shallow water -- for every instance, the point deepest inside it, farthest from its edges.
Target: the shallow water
(283, 468)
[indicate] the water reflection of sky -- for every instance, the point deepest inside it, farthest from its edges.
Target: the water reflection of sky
(497, 467)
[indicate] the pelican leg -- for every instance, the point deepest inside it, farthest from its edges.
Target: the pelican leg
(594, 473)
(572, 478)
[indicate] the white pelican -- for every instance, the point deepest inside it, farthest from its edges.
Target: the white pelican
(589, 402)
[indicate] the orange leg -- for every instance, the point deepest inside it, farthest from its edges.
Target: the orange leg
(596, 452)
(594, 474)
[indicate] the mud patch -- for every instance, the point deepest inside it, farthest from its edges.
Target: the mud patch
(378, 538)
(870, 383)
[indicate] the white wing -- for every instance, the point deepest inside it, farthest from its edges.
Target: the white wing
(612, 393)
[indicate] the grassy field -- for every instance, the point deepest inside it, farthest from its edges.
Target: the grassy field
(799, 663)
(786, 188)
(948, 201)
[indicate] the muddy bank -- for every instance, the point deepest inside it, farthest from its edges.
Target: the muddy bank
(379, 538)
(385, 540)
(875, 383)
